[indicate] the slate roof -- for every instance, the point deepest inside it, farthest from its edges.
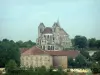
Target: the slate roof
(47, 30)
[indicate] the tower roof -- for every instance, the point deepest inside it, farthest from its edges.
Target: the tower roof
(47, 30)
(41, 24)
(56, 24)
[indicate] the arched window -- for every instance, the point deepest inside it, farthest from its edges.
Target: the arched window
(48, 47)
(48, 36)
(53, 48)
(44, 36)
(53, 38)
(40, 30)
(43, 47)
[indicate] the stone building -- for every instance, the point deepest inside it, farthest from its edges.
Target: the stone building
(53, 38)
(36, 57)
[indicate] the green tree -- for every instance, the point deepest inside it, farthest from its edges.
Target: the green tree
(26, 44)
(80, 41)
(80, 61)
(8, 50)
(95, 67)
(92, 43)
(29, 44)
(71, 62)
(96, 56)
(11, 65)
(19, 44)
(98, 44)
(85, 54)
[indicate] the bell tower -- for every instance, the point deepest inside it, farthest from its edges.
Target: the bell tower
(41, 28)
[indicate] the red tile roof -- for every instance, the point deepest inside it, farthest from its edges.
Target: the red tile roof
(33, 51)
(69, 53)
(37, 51)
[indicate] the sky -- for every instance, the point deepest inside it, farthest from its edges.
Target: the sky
(19, 19)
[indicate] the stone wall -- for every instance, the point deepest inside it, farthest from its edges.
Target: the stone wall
(36, 61)
(60, 61)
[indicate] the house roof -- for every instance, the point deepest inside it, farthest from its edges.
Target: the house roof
(33, 51)
(37, 51)
(22, 50)
(69, 53)
(47, 30)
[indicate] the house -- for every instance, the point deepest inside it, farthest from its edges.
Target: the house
(36, 57)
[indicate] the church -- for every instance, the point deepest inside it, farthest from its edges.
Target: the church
(49, 50)
(53, 38)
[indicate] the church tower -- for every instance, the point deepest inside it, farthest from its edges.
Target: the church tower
(41, 28)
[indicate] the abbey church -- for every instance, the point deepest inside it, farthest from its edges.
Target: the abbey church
(49, 49)
(53, 38)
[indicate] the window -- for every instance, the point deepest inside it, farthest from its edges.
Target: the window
(43, 47)
(40, 58)
(48, 36)
(44, 36)
(26, 58)
(48, 47)
(40, 30)
(36, 58)
(53, 48)
(53, 38)
(45, 58)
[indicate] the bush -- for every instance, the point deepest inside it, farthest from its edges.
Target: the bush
(0, 72)
(37, 71)
(95, 68)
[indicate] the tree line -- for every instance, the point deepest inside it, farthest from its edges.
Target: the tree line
(84, 60)
(12, 69)
(10, 50)
(81, 42)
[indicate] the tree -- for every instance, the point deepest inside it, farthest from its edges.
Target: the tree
(95, 67)
(71, 62)
(92, 43)
(29, 44)
(8, 50)
(96, 56)
(26, 44)
(80, 60)
(98, 44)
(80, 41)
(85, 54)
(19, 44)
(11, 65)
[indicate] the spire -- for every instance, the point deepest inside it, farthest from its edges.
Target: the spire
(58, 22)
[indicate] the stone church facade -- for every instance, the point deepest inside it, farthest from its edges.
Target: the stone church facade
(53, 38)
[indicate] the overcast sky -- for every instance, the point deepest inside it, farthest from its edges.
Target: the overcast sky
(19, 19)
